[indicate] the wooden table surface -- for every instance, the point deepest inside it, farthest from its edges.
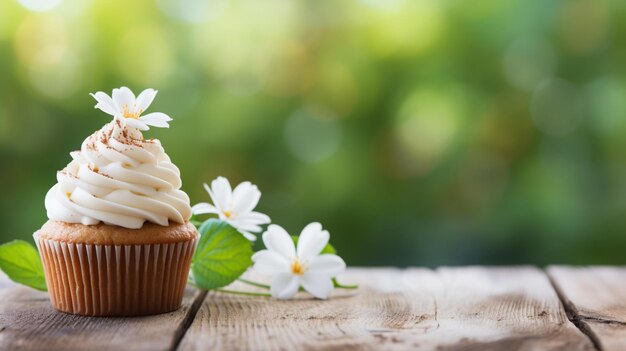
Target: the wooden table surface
(460, 308)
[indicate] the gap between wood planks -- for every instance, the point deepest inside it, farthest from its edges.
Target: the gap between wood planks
(189, 317)
(572, 314)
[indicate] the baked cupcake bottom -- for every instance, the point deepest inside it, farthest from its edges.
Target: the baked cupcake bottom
(110, 276)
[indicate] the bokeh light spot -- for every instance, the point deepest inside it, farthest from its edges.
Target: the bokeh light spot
(585, 25)
(291, 72)
(193, 11)
(6, 25)
(384, 5)
(144, 56)
(260, 51)
(409, 29)
(40, 5)
(557, 107)
(528, 61)
(426, 126)
(336, 87)
(41, 42)
(607, 105)
(59, 83)
(313, 134)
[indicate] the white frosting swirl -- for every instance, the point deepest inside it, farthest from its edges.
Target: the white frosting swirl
(120, 179)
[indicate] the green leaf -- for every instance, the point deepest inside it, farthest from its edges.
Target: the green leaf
(223, 254)
(328, 249)
(21, 262)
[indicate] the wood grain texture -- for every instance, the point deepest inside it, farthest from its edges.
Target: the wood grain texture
(470, 308)
(596, 298)
(28, 322)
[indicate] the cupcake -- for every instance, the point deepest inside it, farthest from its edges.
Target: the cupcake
(118, 241)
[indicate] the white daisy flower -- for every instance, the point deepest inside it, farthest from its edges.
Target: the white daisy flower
(292, 267)
(234, 206)
(125, 107)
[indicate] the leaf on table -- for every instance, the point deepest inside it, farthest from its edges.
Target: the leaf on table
(223, 255)
(20, 261)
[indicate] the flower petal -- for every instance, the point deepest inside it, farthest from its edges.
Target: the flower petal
(278, 240)
(245, 221)
(123, 97)
(211, 195)
(105, 103)
(145, 98)
(248, 236)
(270, 263)
(157, 119)
(255, 218)
(327, 264)
(244, 226)
(204, 208)
(105, 108)
(284, 286)
(222, 193)
(207, 188)
(135, 123)
(244, 229)
(312, 241)
(316, 284)
(157, 116)
(245, 197)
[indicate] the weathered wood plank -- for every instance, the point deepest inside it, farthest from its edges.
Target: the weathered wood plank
(470, 308)
(28, 322)
(596, 297)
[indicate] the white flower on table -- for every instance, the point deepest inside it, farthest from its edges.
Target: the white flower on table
(291, 267)
(234, 206)
(125, 107)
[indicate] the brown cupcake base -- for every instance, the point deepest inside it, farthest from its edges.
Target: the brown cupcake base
(116, 280)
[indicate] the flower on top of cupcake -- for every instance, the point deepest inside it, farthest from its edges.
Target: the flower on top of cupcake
(234, 206)
(125, 107)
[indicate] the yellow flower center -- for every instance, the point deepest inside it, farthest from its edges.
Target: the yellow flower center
(228, 214)
(297, 268)
(127, 113)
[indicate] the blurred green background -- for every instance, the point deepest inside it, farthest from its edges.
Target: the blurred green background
(419, 132)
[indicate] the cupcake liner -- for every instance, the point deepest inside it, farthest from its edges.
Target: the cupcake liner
(116, 280)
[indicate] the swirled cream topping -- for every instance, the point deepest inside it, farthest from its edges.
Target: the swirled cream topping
(118, 178)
